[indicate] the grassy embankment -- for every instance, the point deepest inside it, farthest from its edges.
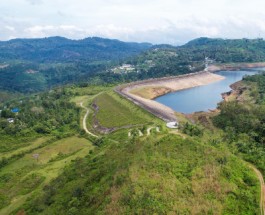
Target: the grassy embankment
(115, 111)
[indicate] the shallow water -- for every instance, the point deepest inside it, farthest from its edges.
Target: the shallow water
(205, 97)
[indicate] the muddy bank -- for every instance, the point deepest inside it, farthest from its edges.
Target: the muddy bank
(142, 92)
(236, 93)
(174, 83)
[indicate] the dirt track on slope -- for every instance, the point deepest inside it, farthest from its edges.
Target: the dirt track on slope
(262, 188)
(173, 83)
(84, 121)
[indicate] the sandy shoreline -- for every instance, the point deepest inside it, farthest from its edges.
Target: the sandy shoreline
(175, 83)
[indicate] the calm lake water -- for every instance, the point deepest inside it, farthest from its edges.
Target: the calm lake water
(205, 97)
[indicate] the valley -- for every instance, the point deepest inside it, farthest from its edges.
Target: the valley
(103, 147)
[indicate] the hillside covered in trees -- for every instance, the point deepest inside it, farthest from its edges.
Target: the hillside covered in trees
(60, 49)
(130, 162)
(32, 65)
(49, 164)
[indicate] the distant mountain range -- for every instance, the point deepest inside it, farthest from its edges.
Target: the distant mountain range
(60, 49)
(31, 65)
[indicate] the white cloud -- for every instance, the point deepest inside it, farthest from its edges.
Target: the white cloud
(35, 2)
(10, 28)
(156, 21)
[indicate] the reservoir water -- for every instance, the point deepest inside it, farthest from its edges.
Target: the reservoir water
(205, 97)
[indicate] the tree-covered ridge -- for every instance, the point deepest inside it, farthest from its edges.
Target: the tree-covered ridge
(32, 65)
(59, 49)
(166, 60)
(243, 123)
(226, 50)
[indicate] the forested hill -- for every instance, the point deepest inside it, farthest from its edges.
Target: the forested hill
(60, 49)
(31, 65)
(225, 50)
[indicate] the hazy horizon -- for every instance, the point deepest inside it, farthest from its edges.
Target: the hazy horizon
(128, 41)
(158, 22)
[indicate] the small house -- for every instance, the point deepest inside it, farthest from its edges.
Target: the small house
(11, 120)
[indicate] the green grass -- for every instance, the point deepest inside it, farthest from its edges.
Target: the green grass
(28, 174)
(10, 143)
(115, 111)
(156, 175)
(29, 146)
(79, 99)
(89, 90)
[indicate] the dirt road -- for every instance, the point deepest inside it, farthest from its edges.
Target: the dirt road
(84, 120)
(262, 188)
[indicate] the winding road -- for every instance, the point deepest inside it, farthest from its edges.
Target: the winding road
(257, 172)
(84, 120)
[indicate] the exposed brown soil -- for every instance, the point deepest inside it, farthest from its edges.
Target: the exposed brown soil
(84, 121)
(174, 83)
(151, 92)
(236, 93)
(235, 66)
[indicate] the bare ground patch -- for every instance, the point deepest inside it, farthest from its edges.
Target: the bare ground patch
(174, 83)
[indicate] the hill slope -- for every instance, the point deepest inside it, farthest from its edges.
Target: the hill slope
(30, 65)
(59, 49)
(226, 50)
(159, 175)
(129, 171)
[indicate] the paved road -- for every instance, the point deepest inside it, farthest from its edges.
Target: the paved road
(84, 120)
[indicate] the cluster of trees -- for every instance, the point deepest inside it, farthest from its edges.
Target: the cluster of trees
(225, 50)
(45, 113)
(244, 123)
(27, 77)
(192, 129)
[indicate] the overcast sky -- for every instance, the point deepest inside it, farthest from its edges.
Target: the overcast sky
(155, 21)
